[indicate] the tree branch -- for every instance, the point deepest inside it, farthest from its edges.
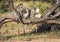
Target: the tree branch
(44, 18)
(56, 15)
(54, 21)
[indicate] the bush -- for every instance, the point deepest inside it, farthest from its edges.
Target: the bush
(3, 6)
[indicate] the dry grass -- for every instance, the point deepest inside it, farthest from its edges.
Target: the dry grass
(12, 28)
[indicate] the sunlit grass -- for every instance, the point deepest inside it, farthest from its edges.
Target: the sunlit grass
(12, 27)
(31, 36)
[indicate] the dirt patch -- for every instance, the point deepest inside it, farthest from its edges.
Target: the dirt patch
(35, 40)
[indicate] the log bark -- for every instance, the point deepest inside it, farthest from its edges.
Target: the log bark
(56, 15)
(43, 19)
(54, 21)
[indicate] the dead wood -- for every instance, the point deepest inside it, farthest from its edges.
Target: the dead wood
(45, 18)
(54, 21)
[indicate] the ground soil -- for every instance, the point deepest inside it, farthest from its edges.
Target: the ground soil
(35, 40)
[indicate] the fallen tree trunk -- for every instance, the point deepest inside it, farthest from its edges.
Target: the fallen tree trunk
(45, 18)
(41, 19)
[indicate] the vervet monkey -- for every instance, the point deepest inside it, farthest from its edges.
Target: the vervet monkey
(20, 9)
(32, 12)
(35, 12)
(26, 13)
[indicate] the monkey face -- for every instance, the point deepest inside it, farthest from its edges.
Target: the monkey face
(25, 13)
(21, 5)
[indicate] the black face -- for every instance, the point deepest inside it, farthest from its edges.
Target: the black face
(21, 5)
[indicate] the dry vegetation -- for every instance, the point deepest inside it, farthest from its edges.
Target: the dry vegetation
(13, 29)
(11, 25)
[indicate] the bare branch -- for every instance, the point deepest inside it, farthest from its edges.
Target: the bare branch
(56, 15)
(54, 21)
